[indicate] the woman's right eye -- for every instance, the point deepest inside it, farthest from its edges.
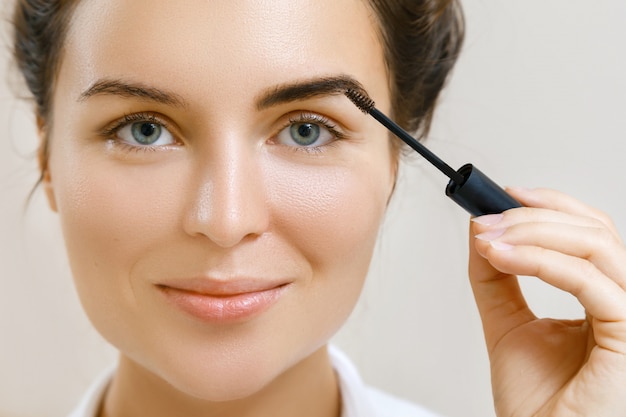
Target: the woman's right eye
(145, 133)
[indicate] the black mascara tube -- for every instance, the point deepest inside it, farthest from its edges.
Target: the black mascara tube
(478, 194)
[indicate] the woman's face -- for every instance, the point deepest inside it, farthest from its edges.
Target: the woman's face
(219, 205)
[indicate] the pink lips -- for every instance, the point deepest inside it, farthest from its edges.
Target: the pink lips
(223, 301)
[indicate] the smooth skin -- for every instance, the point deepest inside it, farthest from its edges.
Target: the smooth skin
(547, 367)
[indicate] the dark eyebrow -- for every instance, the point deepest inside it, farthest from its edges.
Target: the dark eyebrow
(302, 90)
(137, 90)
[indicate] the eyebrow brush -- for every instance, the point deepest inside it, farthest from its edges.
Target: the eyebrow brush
(468, 186)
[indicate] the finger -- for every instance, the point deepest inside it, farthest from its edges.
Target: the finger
(597, 245)
(534, 215)
(599, 295)
(500, 302)
(558, 201)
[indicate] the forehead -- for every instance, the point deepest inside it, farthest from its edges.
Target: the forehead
(207, 47)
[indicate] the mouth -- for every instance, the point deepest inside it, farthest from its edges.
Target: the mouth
(223, 301)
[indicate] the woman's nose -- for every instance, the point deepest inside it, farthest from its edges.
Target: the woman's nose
(228, 202)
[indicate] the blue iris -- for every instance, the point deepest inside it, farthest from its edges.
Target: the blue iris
(305, 134)
(146, 133)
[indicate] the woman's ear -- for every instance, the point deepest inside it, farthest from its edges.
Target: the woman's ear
(42, 158)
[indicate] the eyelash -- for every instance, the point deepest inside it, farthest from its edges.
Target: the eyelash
(306, 117)
(110, 132)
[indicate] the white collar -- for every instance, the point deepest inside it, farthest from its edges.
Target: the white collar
(354, 396)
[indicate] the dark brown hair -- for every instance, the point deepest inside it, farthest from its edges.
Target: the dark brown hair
(421, 38)
(38, 37)
(39, 29)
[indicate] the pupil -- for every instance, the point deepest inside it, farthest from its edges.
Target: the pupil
(147, 129)
(305, 134)
(146, 133)
(305, 130)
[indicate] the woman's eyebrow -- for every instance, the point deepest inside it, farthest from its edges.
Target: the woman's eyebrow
(122, 88)
(285, 93)
(305, 89)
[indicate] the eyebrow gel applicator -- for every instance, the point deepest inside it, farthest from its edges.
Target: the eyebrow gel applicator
(468, 187)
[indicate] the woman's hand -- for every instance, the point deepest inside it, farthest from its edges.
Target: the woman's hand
(546, 367)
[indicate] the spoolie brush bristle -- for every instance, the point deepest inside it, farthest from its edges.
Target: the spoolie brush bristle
(364, 103)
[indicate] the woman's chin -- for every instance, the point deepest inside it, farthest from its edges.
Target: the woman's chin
(228, 378)
(222, 391)
(209, 383)
(213, 381)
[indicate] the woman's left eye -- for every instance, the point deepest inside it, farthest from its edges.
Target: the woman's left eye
(307, 133)
(145, 133)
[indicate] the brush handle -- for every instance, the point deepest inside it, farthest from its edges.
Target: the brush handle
(478, 194)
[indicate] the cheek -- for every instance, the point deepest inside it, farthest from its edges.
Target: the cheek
(111, 217)
(115, 212)
(331, 213)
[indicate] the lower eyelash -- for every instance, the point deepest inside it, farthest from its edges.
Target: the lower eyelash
(312, 150)
(126, 147)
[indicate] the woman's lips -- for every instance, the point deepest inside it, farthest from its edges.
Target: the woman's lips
(223, 301)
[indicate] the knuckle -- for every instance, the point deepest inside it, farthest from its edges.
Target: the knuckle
(604, 239)
(587, 270)
(605, 221)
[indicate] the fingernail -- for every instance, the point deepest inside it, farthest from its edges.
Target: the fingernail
(497, 245)
(520, 189)
(489, 219)
(490, 235)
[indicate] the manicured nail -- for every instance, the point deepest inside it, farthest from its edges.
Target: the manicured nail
(490, 235)
(488, 220)
(497, 245)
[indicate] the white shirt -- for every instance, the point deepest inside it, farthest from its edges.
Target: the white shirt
(358, 400)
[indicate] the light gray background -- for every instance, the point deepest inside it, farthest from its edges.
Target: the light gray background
(537, 99)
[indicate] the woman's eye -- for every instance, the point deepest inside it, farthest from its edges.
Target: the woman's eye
(146, 133)
(305, 134)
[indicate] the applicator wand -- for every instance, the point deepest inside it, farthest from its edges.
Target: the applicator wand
(468, 187)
